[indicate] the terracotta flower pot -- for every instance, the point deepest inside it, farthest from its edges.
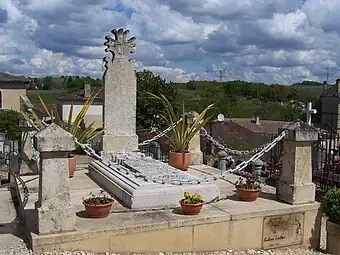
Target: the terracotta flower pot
(72, 165)
(179, 160)
(191, 209)
(98, 211)
(247, 194)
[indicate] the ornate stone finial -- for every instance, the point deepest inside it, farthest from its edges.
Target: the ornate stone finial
(120, 45)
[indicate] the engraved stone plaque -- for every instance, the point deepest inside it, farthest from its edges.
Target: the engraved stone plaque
(282, 230)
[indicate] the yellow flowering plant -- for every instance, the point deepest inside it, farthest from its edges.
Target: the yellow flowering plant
(192, 199)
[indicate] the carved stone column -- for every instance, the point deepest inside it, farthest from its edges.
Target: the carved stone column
(120, 95)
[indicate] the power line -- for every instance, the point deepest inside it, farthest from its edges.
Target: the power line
(221, 74)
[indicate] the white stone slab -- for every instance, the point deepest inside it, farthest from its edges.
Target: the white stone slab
(135, 193)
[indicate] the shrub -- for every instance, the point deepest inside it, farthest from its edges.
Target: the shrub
(10, 124)
(332, 205)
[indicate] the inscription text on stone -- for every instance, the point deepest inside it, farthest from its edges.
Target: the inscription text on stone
(284, 230)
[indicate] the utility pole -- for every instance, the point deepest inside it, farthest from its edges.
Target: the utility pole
(221, 74)
(327, 74)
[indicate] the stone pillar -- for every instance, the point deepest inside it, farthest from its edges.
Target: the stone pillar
(295, 185)
(195, 143)
(257, 168)
(13, 166)
(120, 95)
(54, 211)
(222, 160)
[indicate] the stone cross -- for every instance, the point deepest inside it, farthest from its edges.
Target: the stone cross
(54, 211)
(309, 111)
(120, 95)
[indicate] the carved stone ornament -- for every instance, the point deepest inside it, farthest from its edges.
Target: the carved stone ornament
(119, 46)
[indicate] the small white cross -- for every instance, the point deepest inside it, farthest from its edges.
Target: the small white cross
(309, 111)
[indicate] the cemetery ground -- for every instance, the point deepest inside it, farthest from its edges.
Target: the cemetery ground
(125, 227)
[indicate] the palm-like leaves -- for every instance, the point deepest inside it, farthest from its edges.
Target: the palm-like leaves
(77, 127)
(182, 133)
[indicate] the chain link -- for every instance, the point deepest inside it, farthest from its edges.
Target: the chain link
(161, 134)
(231, 151)
(119, 164)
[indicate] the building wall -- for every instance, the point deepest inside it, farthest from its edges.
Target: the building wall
(94, 113)
(10, 98)
(329, 111)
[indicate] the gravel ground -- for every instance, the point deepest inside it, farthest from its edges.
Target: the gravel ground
(24, 251)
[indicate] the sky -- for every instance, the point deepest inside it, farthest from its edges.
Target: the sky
(270, 41)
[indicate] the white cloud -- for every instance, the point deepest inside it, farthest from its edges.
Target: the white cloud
(276, 41)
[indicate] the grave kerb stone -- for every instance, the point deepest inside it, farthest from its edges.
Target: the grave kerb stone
(136, 193)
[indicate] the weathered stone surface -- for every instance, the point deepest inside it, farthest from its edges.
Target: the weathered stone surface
(120, 95)
(295, 185)
(56, 220)
(300, 132)
(136, 193)
(283, 230)
(195, 143)
(54, 138)
(54, 211)
(333, 238)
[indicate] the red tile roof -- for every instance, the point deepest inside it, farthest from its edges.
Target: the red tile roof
(7, 77)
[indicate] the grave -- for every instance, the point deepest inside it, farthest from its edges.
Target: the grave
(120, 138)
(286, 216)
(136, 193)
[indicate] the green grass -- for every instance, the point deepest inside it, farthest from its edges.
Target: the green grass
(49, 96)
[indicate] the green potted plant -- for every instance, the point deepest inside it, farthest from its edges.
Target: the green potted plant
(191, 204)
(183, 132)
(77, 128)
(331, 204)
(98, 206)
(247, 189)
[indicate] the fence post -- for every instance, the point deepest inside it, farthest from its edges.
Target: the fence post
(257, 168)
(195, 143)
(222, 160)
(13, 166)
(54, 211)
(157, 150)
(295, 185)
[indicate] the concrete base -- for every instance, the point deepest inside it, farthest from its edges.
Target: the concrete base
(296, 194)
(135, 193)
(119, 144)
(48, 221)
(224, 225)
(333, 238)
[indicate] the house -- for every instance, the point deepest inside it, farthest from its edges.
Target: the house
(11, 90)
(330, 107)
(244, 133)
(78, 98)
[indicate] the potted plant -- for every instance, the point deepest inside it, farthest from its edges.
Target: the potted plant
(332, 211)
(182, 133)
(76, 127)
(247, 189)
(98, 206)
(191, 204)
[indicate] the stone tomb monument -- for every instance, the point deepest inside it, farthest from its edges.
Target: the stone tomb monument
(120, 142)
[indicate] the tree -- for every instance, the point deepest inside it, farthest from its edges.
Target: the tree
(150, 110)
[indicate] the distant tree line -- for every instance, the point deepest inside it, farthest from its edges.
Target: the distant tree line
(234, 98)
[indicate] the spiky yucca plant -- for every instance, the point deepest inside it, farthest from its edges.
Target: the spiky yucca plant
(77, 127)
(183, 132)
